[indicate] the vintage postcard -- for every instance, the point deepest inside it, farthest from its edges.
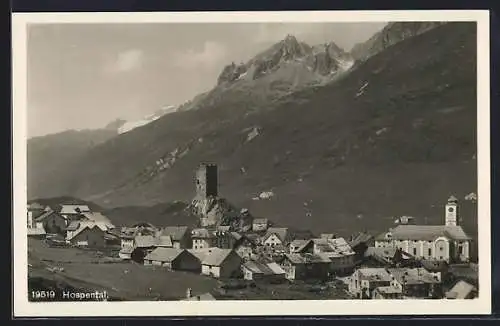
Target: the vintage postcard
(251, 163)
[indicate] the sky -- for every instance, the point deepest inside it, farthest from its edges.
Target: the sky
(83, 76)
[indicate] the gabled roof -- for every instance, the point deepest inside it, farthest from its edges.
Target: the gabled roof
(83, 227)
(460, 290)
(307, 259)
(45, 215)
(277, 270)
(281, 233)
(98, 218)
(258, 268)
(145, 241)
(200, 253)
(164, 254)
(216, 256)
(426, 232)
(336, 247)
(74, 209)
(175, 232)
(359, 238)
(164, 241)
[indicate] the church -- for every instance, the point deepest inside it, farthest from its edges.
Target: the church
(447, 242)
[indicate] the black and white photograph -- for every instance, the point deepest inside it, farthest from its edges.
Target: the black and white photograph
(254, 163)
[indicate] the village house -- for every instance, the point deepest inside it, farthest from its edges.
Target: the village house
(203, 238)
(276, 237)
(416, 282)
(260, 224)
(143, 245)
(447, 242)
(98, 218)
(86, 235)
(180, 235)
(385, 257)
(267, 272)
(360, 242)
(73, 212)
(296, 245)
(462, 290)
(221, 263)
(51, 222)
(173, 259)
(306, 266)
(337, 250)
(364, 281)
(244, 246)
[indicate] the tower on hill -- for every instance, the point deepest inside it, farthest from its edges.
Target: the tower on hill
(206, 181)
(451, 211)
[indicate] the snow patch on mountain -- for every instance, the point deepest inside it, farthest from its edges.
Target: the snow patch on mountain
(130, 125)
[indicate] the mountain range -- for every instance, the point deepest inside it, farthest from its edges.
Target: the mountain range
(343, 140)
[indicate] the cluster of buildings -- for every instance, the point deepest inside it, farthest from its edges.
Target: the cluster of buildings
(75, 225)
(407, 261)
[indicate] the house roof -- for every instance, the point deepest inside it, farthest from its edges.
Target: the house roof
(381, 253)
(45, 215)
(216, 256)
(277, 270)
(35, 206)
(299, 242)
(164, 241)
(200, 253)
(359, 238)
(164, 254)
(84, 226)
(413, 276)
(145, 241)
(98, 218)
(73, 226)
(258, 268)
(460, 290)
(236, 235)
(260, 221)
(433, 265)
(74, 209)
(426, 232)
(281, 233)
(307, 258)
(175, 232)
(336, 247)
(202, 234)
(375, 274)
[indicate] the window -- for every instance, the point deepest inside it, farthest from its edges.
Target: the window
(429, 252)
(414, 251)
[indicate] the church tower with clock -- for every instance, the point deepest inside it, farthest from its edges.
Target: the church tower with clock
(451, 212)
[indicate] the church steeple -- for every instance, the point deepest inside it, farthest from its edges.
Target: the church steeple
(451, 211)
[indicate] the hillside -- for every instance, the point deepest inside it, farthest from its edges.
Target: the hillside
(48, 155)
(395, 136)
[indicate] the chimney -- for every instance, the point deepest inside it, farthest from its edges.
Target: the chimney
(189, 293)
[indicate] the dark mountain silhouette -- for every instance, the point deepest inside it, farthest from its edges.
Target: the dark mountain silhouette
(394, 136)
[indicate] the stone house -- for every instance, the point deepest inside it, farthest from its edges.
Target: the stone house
(173, 259)
(364, 281)
(221, 263)
(305, 266)
(87, 235)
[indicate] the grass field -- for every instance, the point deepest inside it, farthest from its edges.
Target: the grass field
(128, 281)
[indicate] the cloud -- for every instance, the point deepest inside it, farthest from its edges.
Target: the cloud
(211, 54)
(128, 60)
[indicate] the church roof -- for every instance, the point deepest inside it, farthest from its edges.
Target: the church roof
(426, 232)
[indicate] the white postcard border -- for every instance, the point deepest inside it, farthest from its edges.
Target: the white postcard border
(24, 308)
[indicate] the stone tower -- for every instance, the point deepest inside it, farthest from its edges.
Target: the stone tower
(451, 211)
(206, 181)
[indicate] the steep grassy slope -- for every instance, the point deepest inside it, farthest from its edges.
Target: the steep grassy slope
(48, 155)
(395, 136)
